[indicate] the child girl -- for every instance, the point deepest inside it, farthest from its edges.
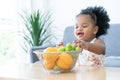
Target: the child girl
(91, 23)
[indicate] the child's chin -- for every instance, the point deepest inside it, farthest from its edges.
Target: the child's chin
(79, 37)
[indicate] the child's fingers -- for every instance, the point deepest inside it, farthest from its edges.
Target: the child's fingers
(82, 44)
(60, 44)
(77, 43)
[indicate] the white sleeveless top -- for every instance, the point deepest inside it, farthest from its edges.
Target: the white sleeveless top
(89, 58)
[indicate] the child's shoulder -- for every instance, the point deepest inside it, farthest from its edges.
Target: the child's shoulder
(99, 41)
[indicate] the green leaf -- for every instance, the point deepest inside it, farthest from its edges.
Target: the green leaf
(37, 28)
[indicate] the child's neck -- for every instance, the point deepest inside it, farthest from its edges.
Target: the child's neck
(89, 40)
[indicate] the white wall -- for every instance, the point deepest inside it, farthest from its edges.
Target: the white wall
(64, 11)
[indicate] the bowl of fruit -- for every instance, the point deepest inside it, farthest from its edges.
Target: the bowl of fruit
(58, 59)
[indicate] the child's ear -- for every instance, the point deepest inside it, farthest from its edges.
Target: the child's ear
(96, 29)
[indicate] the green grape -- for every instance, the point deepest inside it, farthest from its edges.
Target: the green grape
(56, 68)
(69, 45)
(77, 48)
(61, 49)
(73, 47)
(68, 49)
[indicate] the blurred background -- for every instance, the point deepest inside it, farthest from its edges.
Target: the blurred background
(63, 15)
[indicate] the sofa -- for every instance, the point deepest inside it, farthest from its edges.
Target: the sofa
(111, 41)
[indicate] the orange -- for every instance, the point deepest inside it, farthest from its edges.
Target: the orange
(48, 64)
(65, 61)
(62, 65)
(50, 56)
(50, 60)
(51, 49)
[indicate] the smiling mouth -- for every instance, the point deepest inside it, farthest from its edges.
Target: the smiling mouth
(80, 34)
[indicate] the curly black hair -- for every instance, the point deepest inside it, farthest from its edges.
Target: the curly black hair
(99, 16)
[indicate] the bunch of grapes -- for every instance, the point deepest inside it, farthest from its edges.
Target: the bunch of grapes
(68, 47)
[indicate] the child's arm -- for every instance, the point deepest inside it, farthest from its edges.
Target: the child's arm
(97, 47)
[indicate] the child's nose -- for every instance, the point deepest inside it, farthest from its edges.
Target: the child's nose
(80, 28)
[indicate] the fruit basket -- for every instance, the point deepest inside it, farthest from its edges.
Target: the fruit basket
(57, 60)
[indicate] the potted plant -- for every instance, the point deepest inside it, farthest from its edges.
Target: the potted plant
(37, 30)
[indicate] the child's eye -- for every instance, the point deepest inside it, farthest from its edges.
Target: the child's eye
(84, 26)
(76, 27)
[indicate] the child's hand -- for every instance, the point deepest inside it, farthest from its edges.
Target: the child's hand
(81, 44)
(60, 44)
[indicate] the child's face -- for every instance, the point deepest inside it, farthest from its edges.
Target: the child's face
(85, 28)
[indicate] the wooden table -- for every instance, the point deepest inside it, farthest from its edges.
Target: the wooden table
(36, 72)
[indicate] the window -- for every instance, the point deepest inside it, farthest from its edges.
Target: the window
(9, 28)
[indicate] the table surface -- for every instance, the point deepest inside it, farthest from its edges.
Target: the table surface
(36, 72)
